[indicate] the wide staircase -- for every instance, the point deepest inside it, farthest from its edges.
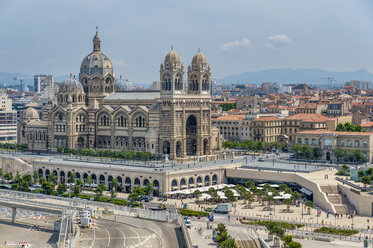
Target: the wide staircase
(341, 203)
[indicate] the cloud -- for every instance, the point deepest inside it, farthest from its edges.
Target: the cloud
(120, 63)
(278, 41)
(237, 44)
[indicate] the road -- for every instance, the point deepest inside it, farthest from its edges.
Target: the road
(107, 233)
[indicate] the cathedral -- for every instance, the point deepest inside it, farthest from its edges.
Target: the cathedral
(99, 111)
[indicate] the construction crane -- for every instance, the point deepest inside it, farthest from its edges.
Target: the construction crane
(329, 80)
(20, 82)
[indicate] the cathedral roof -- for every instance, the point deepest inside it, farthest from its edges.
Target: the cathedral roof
(134, 95)
(96, 62)
(122, 84)
(31, 114)
(38, 123)
(199, 58)
(71, 85)
(172, 56)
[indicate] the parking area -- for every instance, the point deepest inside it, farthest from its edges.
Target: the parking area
(107, 233)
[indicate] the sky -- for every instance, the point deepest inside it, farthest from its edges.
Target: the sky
(53, 37)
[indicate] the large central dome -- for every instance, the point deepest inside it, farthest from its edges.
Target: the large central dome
(96, 62)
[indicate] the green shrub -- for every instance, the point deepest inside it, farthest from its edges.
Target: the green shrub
(283, 225)
(119, 202)
(343, 232)
(342, 173)
(187, 212)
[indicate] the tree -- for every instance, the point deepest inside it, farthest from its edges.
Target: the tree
(283, 187)
(24, 186)
(348, 127)
(249, 197)
(309, 204)
(72, 177)
(360, 173)
(27, 178)
(52, 178)
(114, 183)
(344, 168)
(35, 176)
(149, 189)
(1, 172)
(288, 202)
(293, 244)
(100, 189)
(223, 238)
(8, 176)
(61, 188)
(48, 187)
(250, 185)
(138, 190)
(295, 196)
(287, 239)
(230, 195)
(89, 181)
(365, 180)
(316, 153)
(77, 189)
(113, 193)
(133, 196)
(227, 106)
(213, 193)
(197, 194)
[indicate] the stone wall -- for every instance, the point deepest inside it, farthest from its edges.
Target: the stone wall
(12, 164)
(362, 202)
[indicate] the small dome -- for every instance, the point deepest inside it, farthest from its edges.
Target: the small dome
(122, 84)
(172, 56)
(31, 114)
(199, 58)
(71, 85)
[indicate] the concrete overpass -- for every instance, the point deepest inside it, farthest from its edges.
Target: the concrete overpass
(29, 206)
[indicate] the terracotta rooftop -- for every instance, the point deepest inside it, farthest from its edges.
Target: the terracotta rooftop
(229, 118)
(324, 131)
(367, 124)
(308, 117)
(267, 118)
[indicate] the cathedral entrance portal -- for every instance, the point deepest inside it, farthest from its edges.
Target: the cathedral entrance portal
(205, 147)
(191, 134)
(166, 147)
(178, 149)
(80, 143)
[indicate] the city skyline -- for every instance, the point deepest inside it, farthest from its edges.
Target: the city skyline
(236, 36)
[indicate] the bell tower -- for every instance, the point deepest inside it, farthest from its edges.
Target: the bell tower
(172, 75)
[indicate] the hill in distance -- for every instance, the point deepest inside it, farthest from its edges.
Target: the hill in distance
(291, 76)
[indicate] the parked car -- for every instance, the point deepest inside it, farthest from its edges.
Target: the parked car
(146, 198)
(162, 198)
(261, 159)
(187, 222)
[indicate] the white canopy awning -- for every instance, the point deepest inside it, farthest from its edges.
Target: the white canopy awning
(205, 196)
(235, 193)
(271, 185)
